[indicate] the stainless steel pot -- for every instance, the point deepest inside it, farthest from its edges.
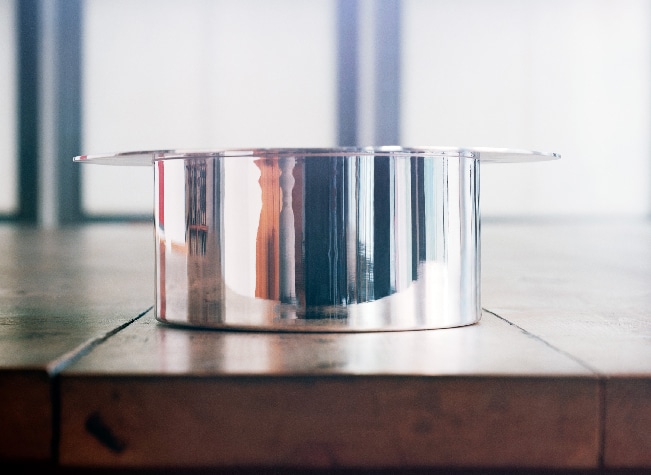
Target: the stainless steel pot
(319, 240)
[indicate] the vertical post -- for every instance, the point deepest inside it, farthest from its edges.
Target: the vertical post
(387, 72)
(28, 22)
(59, 113)
(368, 72)
(347, 65)
(68, 110)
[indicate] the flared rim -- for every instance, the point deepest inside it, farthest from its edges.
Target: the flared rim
(484, 154)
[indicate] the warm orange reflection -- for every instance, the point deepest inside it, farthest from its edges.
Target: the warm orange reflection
(278, 240)
(267, 272)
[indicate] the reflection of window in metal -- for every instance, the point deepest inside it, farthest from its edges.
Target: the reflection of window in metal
(382, 174)
(324, 231)
(196, 223)
(359, 229)
(204, 235)
(435, 191)
(351, 229)
(366, 227)
(418, 236)
(298, 211)
(401, 230)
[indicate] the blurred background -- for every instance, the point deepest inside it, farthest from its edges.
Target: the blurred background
(102, 76)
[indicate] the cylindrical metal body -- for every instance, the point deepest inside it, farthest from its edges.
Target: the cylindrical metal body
(318, 240)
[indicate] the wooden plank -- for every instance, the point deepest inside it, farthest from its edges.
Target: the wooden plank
(628, 423)
(583, 287)
(567, 355)
(25, 415)
(361, 421)
(151, 348)
(60, 292)
(155, 394)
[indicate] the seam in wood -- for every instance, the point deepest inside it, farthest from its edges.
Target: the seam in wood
(548, 344)
(58, 365)
(601, 387)
(65, 360)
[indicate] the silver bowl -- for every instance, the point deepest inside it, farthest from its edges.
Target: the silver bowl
(318, 240)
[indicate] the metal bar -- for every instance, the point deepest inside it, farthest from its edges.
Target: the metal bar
(347, 65)
(68, 111)
(366, 77)
(47, 183)
(387, 72)
(28, 26)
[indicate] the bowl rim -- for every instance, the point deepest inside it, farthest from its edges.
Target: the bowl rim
(483, 154)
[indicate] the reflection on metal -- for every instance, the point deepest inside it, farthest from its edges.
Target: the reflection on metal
(344, 242)
(287, 234)
(204, 252)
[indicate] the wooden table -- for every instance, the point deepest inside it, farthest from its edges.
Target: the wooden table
(557, 375)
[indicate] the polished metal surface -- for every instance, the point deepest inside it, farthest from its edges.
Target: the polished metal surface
(318, 240)
(340, 242)
(483, 154)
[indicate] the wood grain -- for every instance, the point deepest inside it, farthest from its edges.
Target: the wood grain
(336, 421)
(585, 289)
(429, 398)
(628, 423)
(26, 415)
(492, 347)
(60, 292)
(556, 374)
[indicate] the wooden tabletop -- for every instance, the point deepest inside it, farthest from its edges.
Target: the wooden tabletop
(557, 375)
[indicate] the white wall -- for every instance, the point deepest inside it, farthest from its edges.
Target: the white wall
(201, 74)
(8, 125)
(566, 76)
